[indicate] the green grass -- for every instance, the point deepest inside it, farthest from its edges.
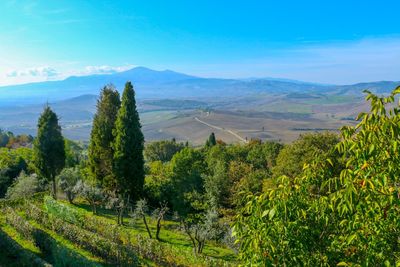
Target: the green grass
(177, 243)
(170, 233)
(68, 244)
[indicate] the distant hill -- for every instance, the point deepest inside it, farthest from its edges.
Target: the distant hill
(152, 84)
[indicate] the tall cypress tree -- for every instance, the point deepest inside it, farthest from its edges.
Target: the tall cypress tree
(100, 152)
(49, 150)
(211, 140)
(128, 147)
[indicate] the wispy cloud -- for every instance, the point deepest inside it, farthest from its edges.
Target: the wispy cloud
(105, 69)
(44, 72)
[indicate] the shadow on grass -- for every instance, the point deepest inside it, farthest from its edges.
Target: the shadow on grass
(13, 254)
(170, 233)
(57, 253)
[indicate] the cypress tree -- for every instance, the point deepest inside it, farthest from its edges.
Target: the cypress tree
(211, 140)
(128, 147)
(100, 152)
(49, 150)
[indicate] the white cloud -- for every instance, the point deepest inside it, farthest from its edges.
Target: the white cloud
(105, 69)
(43, 72)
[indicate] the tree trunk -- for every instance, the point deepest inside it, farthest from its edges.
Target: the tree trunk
(53, 178)
(190, 236)
(69, 196)
(121, 216)
(158, 228)
(147, 227)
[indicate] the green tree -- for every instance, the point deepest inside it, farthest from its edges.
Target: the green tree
(101, 152)
(292, 157)
(67, 180)
(187, 167)
(327, 218)
(24, 186)
(211, 141)
(162, 150)
(128, 147)
(49, 150)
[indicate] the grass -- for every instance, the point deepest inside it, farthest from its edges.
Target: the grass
(178, 245)
(169, 234)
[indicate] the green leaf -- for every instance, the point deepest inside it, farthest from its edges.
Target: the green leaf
(271, 213)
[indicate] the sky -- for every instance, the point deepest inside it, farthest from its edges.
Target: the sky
(336, 42)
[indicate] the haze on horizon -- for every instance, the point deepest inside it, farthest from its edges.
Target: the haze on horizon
(337, 42)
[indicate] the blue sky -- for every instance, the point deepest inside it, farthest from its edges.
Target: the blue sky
(321, 41)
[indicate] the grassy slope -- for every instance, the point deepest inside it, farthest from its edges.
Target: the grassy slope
(169, 233)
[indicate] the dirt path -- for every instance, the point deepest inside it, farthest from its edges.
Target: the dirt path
(222, 129)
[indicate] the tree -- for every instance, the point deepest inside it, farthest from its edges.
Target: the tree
(187, 167)
(67, 180)
(73, 153)
(101, 152)
(23, 187)
(324, 217)
(140, 212)
(49, 150)
(159, 214)
(128, 147)
(292, 158)
(162, 150)
(211, 140)
(91, 193)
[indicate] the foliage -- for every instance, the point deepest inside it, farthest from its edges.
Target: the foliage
(187, 167)
(91, 193)
(292, 157)
(49, 150)
(23, 187)
(9, 140)
(67, 180)
(162, 150)
(157, 186)
(128, 165)
(12, 162)
(100, 152)
(211, 141)
(73, 153)
(326, 217)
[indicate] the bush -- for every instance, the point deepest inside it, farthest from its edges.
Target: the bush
(23, 187)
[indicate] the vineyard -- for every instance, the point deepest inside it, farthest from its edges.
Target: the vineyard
(45, 232)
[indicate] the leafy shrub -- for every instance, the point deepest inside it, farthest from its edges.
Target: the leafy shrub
(326, 218)
(67, 180)
(23, 187)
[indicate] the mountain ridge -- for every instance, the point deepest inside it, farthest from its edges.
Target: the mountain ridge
(170, 84)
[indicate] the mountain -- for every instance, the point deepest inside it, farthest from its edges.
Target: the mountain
(152, 84)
